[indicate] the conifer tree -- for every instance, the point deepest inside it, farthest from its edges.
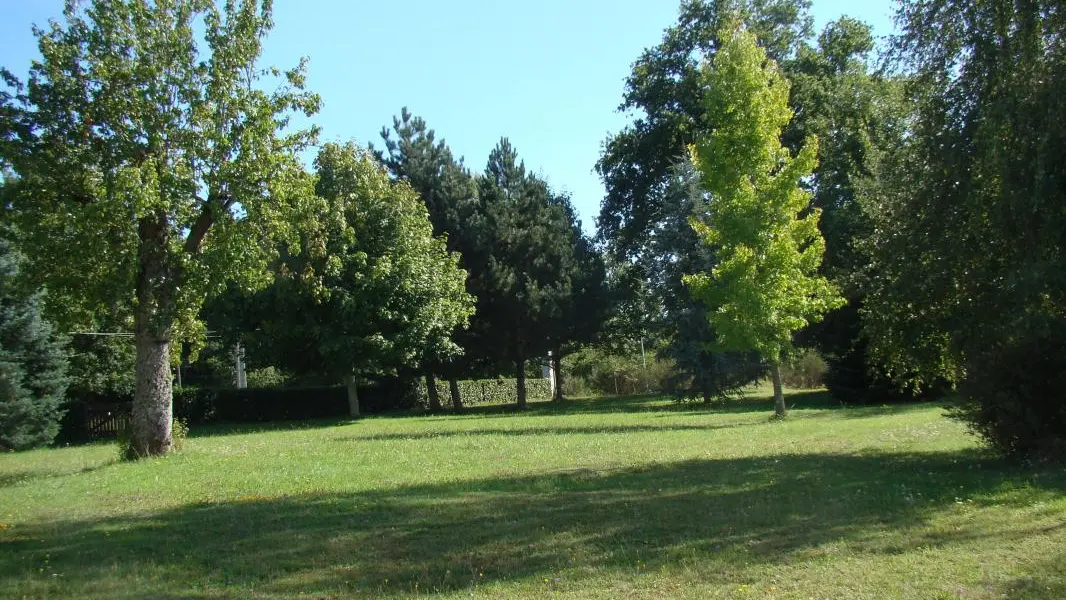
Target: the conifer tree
(33, 364)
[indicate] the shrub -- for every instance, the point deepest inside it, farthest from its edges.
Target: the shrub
(597, 371)
(1014, 395)
(850, 380)
(267, 377)
(805, 370)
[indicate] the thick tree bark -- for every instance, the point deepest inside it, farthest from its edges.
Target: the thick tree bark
(557, 373)
(152, 415)
(520, 365)
(353, 396)
(457, 399)
(779, 395)
(431, 391)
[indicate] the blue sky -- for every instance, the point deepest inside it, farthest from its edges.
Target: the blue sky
(549, 75)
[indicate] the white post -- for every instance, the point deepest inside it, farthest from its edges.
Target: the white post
(551, 374)
(242, 375)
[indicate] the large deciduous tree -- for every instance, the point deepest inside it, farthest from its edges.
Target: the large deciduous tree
(154, 168)
(765, 283)
(381, 293)
(666, 88)
(970, 236)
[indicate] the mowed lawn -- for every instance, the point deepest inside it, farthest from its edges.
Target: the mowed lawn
(625, 498)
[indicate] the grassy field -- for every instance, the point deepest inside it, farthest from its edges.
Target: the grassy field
(625, 498)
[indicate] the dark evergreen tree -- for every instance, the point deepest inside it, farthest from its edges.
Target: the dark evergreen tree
(583, 305)
(525, 243)
(681, 323)
(33, 364)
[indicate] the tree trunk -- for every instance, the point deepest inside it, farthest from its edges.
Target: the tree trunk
(457, 399)
(431, 391)
(353, 396)
(150, 423)
(152, 415)
(557, 373)
(779, 395)
(520, 365)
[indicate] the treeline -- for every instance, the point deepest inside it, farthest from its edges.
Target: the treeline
(780, 190)
(155, 188)
(939, 187)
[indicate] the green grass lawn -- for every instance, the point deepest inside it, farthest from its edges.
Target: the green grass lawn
(625, 498)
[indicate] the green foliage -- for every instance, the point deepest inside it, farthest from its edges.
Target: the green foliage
(665, 88)
(180, 432)
(967, 252)
(267, 377)
(378, 292)
(805, 369)
(765, 284)
(101, 365)
(450, 195)
(600, 372)
(676, 318)
(138, 142)
(1010, 395)
(33, 364)
(484, 392)
(524, 244)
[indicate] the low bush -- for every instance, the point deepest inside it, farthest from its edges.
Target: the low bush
(203, 406)
(805, 370)
(1014, 395)
(595, 371)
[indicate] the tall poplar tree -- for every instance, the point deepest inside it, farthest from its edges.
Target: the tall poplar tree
(765, 284)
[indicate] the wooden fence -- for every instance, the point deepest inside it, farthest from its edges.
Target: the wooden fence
(106, 420)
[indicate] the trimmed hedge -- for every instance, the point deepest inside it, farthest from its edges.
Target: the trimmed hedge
(202, 406)
(481, 392)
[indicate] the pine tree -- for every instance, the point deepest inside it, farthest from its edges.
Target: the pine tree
(525, 243)
(33, 364)
(765, 285)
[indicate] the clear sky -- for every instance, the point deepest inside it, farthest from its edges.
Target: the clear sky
(549, 75)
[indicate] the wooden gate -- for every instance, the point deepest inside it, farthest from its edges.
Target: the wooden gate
(106, 420)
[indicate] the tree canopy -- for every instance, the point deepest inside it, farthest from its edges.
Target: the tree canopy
(765, 285)
(154, 170)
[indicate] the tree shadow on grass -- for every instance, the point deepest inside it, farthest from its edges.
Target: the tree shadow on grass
(18, 477)
(724, 515)
(590, 430)
(657, 403)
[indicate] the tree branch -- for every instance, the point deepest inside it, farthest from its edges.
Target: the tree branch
(203, 223)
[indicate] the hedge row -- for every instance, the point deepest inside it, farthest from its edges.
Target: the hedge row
(480, 392)
(201, 406)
